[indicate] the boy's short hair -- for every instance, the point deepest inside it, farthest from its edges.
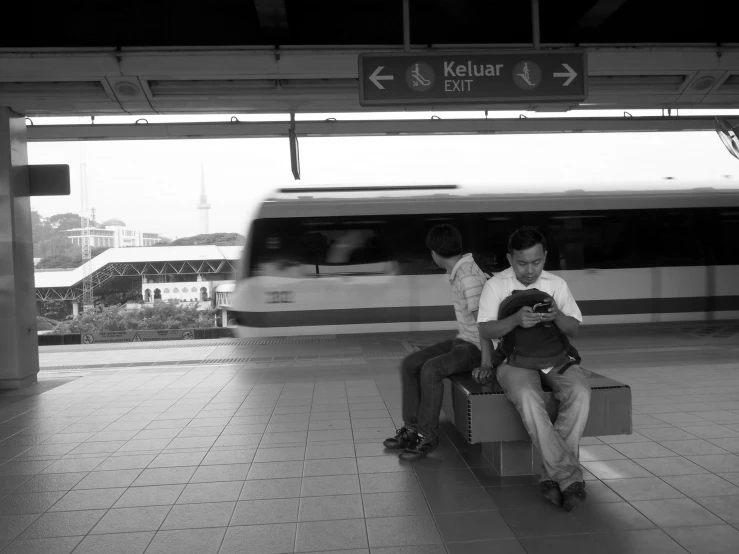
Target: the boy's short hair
(445, 240)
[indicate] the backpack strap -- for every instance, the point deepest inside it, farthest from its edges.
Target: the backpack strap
(571, 352)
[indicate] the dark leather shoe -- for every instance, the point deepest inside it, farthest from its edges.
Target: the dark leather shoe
(550, 490)
(574, 495)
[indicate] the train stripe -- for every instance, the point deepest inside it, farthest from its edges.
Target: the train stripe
(354, 316)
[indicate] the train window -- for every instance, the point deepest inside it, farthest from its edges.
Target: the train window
(725, 243)
(675, 238)
(611, 240)
(323, 246)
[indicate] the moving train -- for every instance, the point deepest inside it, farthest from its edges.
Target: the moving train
(354, 260)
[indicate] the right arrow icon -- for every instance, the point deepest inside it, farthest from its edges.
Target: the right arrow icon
(571, 74)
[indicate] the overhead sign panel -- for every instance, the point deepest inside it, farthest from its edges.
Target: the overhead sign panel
(472, 77)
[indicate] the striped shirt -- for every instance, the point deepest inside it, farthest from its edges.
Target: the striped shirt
(467, 281)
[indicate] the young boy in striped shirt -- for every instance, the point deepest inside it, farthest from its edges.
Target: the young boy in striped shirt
(423, 372)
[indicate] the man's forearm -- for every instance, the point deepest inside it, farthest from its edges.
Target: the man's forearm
(486, 349)
(567, 324)
(496, 329)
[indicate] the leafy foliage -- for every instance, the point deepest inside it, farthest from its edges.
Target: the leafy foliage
(216, 239)
(160, 315)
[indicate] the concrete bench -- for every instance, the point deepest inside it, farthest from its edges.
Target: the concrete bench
(483, 414)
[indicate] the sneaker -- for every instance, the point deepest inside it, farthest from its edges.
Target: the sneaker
(574, 495)
(403, 439)
(419, 450)
(550, 490)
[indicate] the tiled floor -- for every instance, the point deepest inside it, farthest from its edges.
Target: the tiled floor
(284, 455)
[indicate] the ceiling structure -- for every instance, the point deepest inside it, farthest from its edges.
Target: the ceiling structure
(280, 56)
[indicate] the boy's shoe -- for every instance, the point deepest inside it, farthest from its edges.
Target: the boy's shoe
(551, 491)
(574, 495)
(419, 450)
(403, 439)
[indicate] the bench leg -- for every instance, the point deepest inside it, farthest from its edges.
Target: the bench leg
(513, 457)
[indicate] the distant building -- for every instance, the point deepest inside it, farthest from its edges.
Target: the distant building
(114, 236)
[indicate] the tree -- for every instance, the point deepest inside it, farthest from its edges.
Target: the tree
(72, 258)
(160, 315)
(215, 239)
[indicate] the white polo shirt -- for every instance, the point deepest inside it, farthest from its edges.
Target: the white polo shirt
(467, 280)
(500, 287)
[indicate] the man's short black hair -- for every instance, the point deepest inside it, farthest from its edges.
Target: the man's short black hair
(525, 238)
(445, 240)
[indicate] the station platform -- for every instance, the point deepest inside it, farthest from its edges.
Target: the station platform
(274, 445)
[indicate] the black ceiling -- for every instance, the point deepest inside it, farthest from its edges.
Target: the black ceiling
(158, 23)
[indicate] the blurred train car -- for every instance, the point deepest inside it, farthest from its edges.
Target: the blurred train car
(354, 260)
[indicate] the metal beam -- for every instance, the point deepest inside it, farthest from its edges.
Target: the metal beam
(602, 10)
(272, 17)
(331, 128)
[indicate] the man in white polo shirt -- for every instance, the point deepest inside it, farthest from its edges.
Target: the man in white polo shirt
(559, 443)
(423, 372)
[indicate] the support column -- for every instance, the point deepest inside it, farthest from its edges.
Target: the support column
(75, 308)
(19, 362)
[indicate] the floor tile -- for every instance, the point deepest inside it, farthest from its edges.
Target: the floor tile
(609, 517)
(667, 434)
(74, 465)
(292, 453)
(676, 513)
(230, 456)
(714, 539)
(321, 508)
(230, 472)
(644, 488)
(123, 520)
(697, 447)
(402, 531)
(270, 488)
(12, 526)
(330, 485)
(108, 479)
(177, 459)
(62, 524)
(500, 546)
(114, 463)
(324, 452)
(381, 464)
(275, 470)
(725, 507)
(647, 541)
(260, 539)
(465, 499)
(331, 466)
(643, 450)
(165, 476)
(569, 544)
(50, 483)
(547, 520)
(93, 499)
(702, 485)
(717, 462)
(59, 545)
(256, 512)
(675, 465)
(157, 495)
(599, 452)
(119, 543)
(202, 541)
(207, 514)
(31, 503)
(223, 491)
(318, 536)
(616, 469)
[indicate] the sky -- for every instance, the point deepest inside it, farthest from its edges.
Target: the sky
(154, 186)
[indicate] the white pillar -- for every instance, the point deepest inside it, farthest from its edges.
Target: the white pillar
(19, 362)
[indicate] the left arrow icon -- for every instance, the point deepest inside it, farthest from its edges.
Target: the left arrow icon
(376, 77)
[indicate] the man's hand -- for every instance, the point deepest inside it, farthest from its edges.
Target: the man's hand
(483, 374)
(525, 317)
(551, 314)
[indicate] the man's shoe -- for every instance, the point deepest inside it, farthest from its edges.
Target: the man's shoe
(550, 490)
(419, 450)
(574, 495)
(403, 439)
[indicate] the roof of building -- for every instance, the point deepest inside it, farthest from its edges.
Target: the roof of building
(150, 254)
